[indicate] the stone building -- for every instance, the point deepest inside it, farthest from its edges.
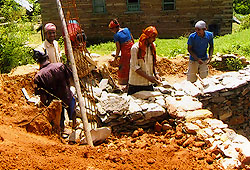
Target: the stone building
(173, 18)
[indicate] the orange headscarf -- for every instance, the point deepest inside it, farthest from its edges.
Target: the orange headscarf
(149, 32)
(113, 24)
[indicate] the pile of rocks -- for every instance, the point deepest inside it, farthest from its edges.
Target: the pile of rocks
(226, 95)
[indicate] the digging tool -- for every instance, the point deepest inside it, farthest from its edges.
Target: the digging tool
(35, 100)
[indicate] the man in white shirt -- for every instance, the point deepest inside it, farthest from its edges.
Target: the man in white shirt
(50, 44)
(142, 74)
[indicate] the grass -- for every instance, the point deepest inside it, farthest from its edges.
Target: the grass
(237, 42)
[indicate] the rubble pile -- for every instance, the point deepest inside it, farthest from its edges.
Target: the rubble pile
(184, 102)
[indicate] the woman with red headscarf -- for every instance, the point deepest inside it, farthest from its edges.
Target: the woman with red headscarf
(142, 74)
(124, 41)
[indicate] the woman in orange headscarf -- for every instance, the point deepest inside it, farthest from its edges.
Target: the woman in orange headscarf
(124, 41)
(142, 73)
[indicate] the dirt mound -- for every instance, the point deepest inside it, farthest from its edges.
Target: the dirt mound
(20, 149)
(171, 70)
(171, 67)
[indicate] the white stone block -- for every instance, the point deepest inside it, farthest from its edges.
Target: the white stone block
(146, 94)
(98, 134)
(97, 91)
(191, 128)
(198, 114)
(134, 107)
(230, 163)
(154, 110)
(103, 84)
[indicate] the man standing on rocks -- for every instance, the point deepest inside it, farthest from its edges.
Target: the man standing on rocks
(50, 44)
(197, 47)
(142, 74)
(52, 82)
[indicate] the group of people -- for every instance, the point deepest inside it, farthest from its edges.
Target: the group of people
(53, 80)
(137, 63)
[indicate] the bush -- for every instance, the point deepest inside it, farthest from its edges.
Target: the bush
(233, 64)
(14, 35)
(11, 11)
(245, 23)
(241, 6)
(13, 51)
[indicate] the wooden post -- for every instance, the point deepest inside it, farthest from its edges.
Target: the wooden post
(75, 75)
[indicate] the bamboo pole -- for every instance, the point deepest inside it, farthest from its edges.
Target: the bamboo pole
(75, 75)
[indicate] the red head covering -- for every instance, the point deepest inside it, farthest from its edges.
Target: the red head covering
(49, 27)
(149, 32)
(113, 24)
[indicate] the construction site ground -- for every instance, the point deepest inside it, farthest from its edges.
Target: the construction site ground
(20, 149)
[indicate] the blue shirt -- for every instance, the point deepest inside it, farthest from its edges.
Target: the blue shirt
(123, 36)
(200, 44)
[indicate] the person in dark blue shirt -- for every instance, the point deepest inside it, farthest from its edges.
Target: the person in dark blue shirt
(198, 42)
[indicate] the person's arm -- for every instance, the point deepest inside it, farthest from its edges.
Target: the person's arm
(191, 52)
(118, 48)
(210, 50)
(152, 79)
(156, 74)
(40, 92)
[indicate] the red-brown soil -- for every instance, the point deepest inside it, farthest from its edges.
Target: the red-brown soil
(171, 70)
(43, 149)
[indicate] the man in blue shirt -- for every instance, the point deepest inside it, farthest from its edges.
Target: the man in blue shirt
(198, 43)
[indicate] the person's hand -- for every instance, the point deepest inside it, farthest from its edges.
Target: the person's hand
(200, 61)
(158, 77)
(153, 79)
(209, 59)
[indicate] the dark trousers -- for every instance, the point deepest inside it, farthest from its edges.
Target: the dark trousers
(71, 112)
(133, 89)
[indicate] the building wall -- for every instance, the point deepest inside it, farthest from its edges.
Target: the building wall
(175, 23)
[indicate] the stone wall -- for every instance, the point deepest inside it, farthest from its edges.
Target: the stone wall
(195, 107)
(229, 99)
(173, 23)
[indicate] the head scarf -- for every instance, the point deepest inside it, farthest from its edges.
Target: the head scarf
(149, 32)
(113, 24)
(49, 27)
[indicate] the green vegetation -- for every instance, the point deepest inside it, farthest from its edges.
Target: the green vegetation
(233, 64)
(14, 52)
(238, 42)
(228, 64)
(245, 22)
(14, 35)
(19, 31)
(241, 6)
(103, 48)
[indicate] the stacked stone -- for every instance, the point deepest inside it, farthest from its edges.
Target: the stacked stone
(230, 149)
(226, 95)
(117, 110)
(143, 108)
